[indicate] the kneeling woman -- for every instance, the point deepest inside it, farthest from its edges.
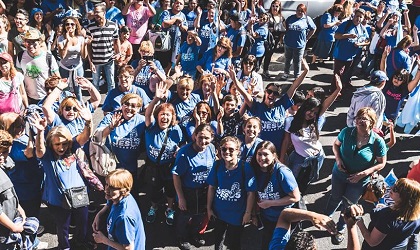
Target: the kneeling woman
(277, 188)
(124, 224)
(231, 194)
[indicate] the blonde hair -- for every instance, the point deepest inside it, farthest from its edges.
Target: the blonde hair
(10, 121)
(121, 179)
(6, 140)
(63, 132)
(370, 113)
(68, 101)
(129, 96)
(147, 46)
(408, 208)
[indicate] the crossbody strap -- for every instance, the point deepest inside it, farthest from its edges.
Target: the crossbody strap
(165, 141)
(57, 179)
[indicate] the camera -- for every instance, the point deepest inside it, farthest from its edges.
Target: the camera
(148, 59)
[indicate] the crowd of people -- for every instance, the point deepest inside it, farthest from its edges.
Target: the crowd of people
(185, 86)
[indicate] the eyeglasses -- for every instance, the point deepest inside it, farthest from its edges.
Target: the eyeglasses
(269, 92)
(70, 24)
(31, 43)
(275, 6)
(130, 105)
(399, 78)
(68, 108)
(202, 113)
(364, 119)
(225, 149)
(395, 189)
(221, 46)
(20, 19)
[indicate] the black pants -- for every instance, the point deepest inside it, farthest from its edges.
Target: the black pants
(158, 179)
(268, 230)
(233, 235)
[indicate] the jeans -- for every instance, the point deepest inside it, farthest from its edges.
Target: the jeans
(297, 56)
(62, 223)
(109, 74)
(76, 88)
(340, 187)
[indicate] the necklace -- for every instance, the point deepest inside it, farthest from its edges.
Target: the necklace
(362, 141)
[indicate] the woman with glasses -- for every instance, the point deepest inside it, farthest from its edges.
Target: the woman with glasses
(397, 87)
(272, 110)
(70, 111)
(124, 223)
(359, 152)
(216, 60)
(13, 96)
(163, 138)
(276, 27)
(192, 166)
(57, 154)
(299, 29)
(72, 50)
(277, 189)
(27, 174)
(391, 226)
(124, 130)
(251, 80)
(231, 195)
(147, 68)
(202, 114)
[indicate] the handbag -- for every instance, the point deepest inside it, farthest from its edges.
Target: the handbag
(102, 159)
(9, 102)
(375, 189)
(161, 40)
(74, 197)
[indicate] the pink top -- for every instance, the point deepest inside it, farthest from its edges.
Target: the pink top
(137, 20)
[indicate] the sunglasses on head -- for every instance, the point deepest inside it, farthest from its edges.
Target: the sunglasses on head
(269, 92)
(68, 108)
(225, 149)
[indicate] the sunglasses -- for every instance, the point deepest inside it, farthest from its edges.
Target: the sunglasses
(130, 105)
(399, 78)
(202, 113)
(269, 92)
(275, 6)
(221, 46)
(70, 24)
(225, 149)
(68, 108)
(249, 63)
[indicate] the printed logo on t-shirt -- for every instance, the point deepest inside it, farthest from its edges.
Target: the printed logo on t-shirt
(272, 126)
(200, 177)
(166, 155)
(269, 193)
(132, 142)
(232, 194)
(188, 56)
(108, 228)
(33, 71)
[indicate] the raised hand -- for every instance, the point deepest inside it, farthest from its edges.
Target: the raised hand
(37, 122)
(160, 90)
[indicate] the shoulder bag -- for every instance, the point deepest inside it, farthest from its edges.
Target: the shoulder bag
(102, 159)
(74, 197)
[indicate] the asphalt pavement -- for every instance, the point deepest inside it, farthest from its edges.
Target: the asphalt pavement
(161, 236)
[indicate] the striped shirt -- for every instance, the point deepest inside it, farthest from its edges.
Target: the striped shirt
(103, 41)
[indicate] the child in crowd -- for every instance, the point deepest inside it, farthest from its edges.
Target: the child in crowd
(126, 49)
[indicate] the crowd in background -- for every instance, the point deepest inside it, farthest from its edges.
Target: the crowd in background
(184, 84)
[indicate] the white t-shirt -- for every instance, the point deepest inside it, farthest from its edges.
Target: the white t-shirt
(306, 145)
(6, 86)
(36, 70)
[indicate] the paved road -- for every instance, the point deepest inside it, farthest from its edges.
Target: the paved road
(161, 236)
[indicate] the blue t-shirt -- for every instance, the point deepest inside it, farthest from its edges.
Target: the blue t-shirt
(143, 77)
(345, 49)
(280, 238)
(297, 29)
(397, 59)
(190, 17)
(67, 171)
(272, 119)
(231, 186)
(258, 48)
(247, 153)
(190, 127)
(208, 36)
(114, 14)
(125, 225)
(193, 167)
(238, 38)
(206, 61)
(327, 34)
(113, 98)
(189, 56)
(75, 126)
(154, 138)
(27, 175)
(50, 6)
(183, 108)
(126, 140)
(243, 14)
(280, 183)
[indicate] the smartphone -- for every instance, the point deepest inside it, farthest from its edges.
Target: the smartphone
(147, 58)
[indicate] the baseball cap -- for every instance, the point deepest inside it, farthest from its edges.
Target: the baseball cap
(32, 34)
(6, 56)
(377, 77)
